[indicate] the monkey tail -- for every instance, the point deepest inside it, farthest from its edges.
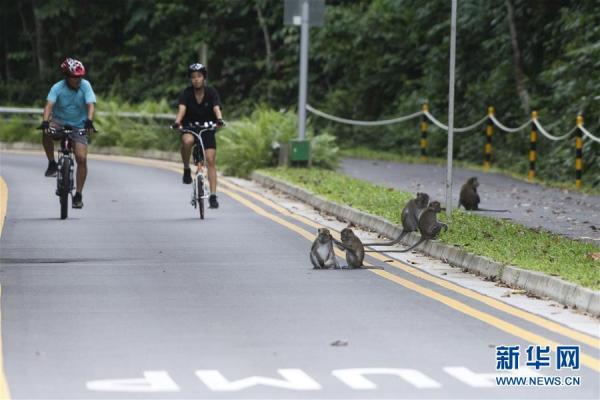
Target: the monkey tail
(489, 210)
(393, 242)
(410, 248)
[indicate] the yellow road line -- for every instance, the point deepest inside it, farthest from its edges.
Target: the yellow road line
(4, 392)
(529, 317)
(3, 202)
(589, 361)
(524, 315)
(507, 327)
(516, 312)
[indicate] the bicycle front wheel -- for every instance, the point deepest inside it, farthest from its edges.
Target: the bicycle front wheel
(200, 198)
(63, 187)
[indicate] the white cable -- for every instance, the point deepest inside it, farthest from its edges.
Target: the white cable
(362, 123)
(18, 110)
(445, 127)
(549, 136)
(507, 129)
(588, 134)
(127, 114)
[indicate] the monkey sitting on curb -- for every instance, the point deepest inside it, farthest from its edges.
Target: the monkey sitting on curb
(355, 251)
(322, 255)
(429, 226)
(469, 198)
(410, 219)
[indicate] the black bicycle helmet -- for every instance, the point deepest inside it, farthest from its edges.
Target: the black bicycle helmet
(197, 67)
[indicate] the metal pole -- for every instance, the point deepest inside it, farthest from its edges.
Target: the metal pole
(303, 71)
(451, 112)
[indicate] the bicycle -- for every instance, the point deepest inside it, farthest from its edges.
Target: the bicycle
(66, 165)
(200, 187)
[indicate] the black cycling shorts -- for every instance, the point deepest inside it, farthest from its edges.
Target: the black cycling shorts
(209, 139)
(210, 142)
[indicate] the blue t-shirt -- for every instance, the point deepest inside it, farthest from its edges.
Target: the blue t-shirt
(69, 104)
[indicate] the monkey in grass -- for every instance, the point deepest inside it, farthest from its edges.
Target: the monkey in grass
(429, 226)
(469, 198)
(409, 217)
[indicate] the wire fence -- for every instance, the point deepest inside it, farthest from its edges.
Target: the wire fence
(492, 122)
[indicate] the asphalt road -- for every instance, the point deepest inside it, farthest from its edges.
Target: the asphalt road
(134, 297)
(571, 214)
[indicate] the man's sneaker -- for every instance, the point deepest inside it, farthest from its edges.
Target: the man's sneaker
(52, 169)
(77, 200)
(187, 176)
(212, 201)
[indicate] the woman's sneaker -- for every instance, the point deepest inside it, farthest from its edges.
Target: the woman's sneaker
(52, 169)
(212, 201)
(187, 176)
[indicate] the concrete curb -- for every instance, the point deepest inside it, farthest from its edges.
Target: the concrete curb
(533, 282)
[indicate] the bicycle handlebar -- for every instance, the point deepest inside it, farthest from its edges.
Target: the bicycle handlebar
(66, 130)
(189, 128)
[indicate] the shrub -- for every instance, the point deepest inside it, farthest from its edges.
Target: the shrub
(246, 145)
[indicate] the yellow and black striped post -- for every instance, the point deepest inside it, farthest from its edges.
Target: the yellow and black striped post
(578, 151)
(532, 147)
(424, 132)
(489, 131)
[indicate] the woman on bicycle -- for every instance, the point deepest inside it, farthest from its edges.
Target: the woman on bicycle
(70, 102)
(200, 103)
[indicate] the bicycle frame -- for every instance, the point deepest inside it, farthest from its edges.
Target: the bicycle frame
(201, 170)
(65, 184)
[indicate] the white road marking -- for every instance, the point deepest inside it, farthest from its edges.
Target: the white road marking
(354, 377)
(294, 379)
(152, 382)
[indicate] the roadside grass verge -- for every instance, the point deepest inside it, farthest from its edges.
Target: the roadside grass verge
(370, 154)
(500, 240)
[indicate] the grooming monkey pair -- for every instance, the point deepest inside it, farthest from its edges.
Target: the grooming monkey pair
(417, 214)
(322, 254)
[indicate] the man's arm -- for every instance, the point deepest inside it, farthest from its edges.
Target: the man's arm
(47, 110)
(91, 108)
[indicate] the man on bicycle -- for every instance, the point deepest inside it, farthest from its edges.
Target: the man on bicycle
(200, 103)
(70, 102)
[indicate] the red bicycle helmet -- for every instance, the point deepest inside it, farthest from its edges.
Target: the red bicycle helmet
(72, 67)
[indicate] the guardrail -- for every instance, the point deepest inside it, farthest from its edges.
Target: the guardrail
(492, 122)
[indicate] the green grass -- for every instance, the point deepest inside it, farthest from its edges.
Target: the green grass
(370, 154)
(499, 240)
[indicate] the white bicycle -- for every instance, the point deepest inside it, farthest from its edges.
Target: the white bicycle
(200, 186)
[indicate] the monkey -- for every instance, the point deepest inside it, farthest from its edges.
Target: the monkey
(410, 218)
(469, 198)
(355, 250)
(429, 226)
(322, 255)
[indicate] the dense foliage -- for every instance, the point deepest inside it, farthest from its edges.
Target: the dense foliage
(371, 60)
